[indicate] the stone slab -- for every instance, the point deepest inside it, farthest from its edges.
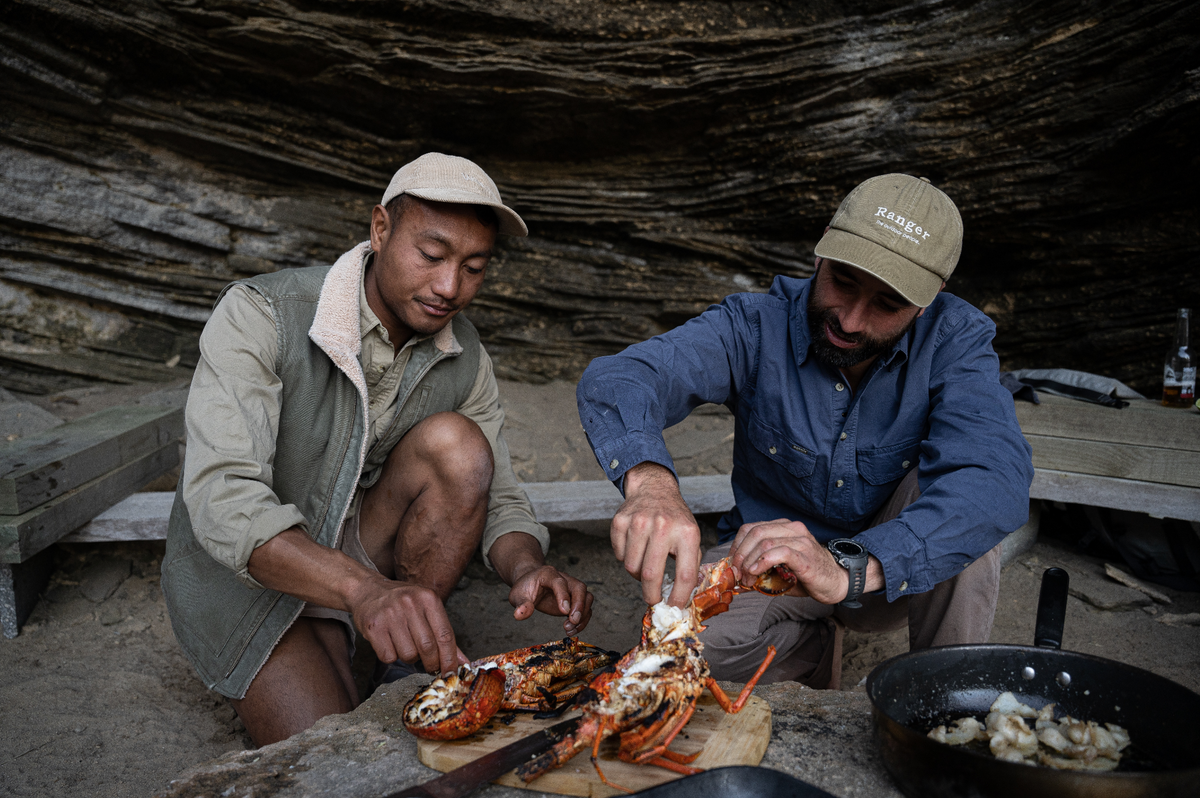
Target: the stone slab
(822, 737)
(20, 586)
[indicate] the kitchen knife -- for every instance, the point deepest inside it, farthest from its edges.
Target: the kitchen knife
(466, 779)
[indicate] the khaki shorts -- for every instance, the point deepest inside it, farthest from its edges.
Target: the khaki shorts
(349, 544)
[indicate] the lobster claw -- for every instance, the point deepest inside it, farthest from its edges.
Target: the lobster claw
(719, 584)
(457, 705)
(775, 581)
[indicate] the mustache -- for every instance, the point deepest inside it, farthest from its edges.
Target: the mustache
(834, 325)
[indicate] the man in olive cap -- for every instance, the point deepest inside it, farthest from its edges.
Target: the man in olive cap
(875, 452)
(344, 462)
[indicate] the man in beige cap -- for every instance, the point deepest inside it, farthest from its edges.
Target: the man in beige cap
(875, 452)
(344, 462)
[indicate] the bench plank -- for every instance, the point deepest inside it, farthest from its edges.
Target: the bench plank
(139, 516)
(22, 536)
(555, 502)
(45, 465)
(1121, 460)
(1159, 501)
(1142, 423)
(143, 516)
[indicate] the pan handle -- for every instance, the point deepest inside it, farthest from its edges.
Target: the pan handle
(1052, 609)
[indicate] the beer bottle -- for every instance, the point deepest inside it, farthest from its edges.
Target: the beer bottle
(1179, 372)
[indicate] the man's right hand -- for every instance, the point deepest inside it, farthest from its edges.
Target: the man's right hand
(654, 523)
(403, 621)
(400, 620)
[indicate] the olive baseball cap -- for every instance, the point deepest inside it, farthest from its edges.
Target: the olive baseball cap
(447, 178)
(900, 229)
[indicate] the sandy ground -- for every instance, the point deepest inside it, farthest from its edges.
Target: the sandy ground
(96, 698)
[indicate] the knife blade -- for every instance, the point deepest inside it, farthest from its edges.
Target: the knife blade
(466, 779)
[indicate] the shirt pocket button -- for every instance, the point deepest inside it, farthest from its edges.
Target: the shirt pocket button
(772, 450)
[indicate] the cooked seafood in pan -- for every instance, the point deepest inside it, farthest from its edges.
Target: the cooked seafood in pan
(1065, 744)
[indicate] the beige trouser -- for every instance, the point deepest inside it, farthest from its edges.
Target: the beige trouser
(807, 635)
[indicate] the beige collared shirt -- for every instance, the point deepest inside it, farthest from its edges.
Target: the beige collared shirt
(223, 511)
(383, 371)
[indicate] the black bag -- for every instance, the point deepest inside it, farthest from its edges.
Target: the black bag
(1161, 550)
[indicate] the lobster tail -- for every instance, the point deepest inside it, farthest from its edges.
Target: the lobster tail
(457, 705)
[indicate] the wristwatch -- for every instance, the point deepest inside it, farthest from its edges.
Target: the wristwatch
(852, 557)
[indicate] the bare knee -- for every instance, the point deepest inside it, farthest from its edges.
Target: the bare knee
(453, 447)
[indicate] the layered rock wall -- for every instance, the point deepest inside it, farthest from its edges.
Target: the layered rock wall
(663, 154)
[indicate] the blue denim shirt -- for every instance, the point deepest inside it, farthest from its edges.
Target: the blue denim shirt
(808, 448)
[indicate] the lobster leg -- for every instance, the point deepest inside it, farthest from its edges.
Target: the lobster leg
(736, 706)
(663, 762)
(596, 759)
(648, 756)
(683, 759)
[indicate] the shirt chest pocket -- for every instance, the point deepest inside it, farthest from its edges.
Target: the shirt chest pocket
(887, 464)
(768, 443)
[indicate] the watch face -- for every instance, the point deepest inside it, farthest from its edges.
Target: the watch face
(847, 548)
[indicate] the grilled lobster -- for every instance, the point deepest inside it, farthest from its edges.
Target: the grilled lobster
(651, 694)
(538, 678)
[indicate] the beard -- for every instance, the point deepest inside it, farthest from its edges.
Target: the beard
(835, 356)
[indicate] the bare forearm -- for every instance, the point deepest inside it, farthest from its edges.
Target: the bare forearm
(649, 476)
(292, 563)
(399, 619)
(514, 555)
(875, 579)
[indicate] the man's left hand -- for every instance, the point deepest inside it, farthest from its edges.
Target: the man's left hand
(760, 546)
(518, 560)
(552, 592)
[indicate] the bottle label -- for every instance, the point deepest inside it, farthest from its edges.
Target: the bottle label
(1187, 384)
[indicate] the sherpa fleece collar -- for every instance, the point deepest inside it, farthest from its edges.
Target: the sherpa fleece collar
(335, 326)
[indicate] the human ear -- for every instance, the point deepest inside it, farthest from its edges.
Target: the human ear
(381, 227)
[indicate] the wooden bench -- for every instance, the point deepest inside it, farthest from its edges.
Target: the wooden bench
(54, 481)
(1143, 458)
(143, 516)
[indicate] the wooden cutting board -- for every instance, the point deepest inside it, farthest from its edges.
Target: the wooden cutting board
(739, 739)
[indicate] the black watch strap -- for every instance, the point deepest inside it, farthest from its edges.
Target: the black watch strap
(853, 557)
